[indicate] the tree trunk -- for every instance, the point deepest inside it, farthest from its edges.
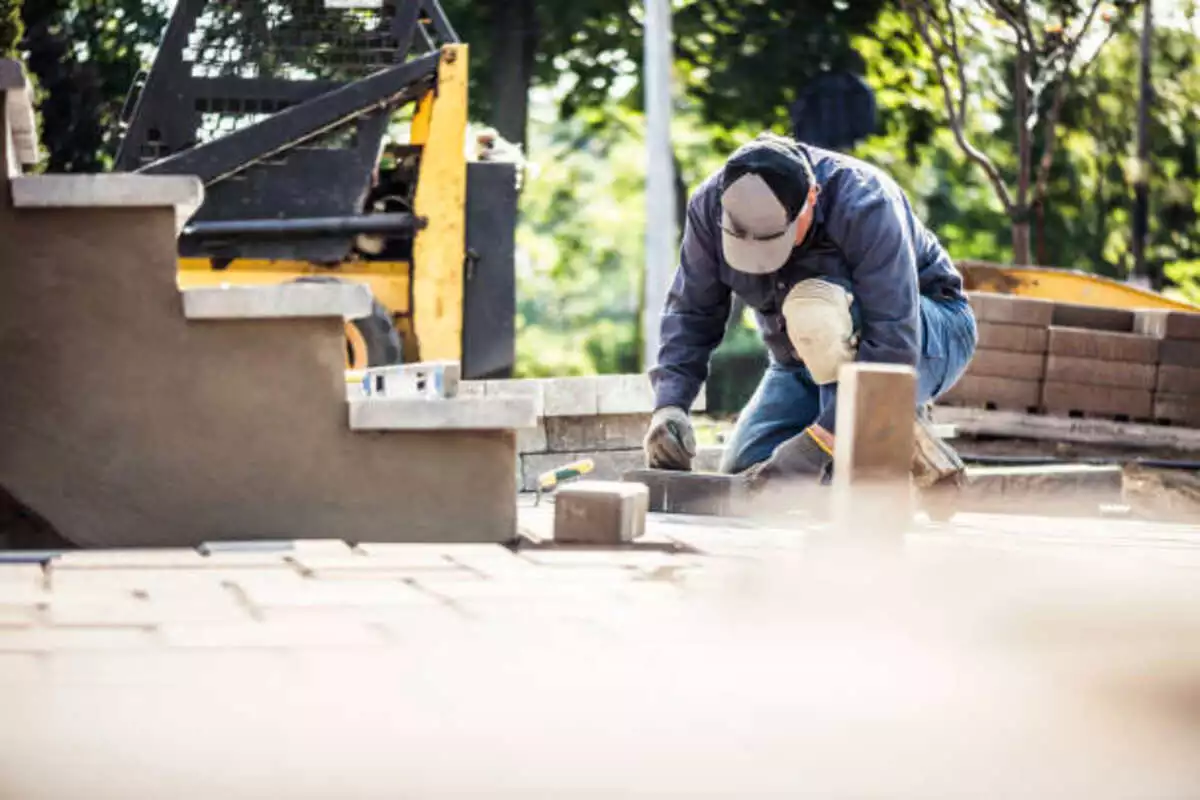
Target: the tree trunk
(1021, 254)
(515, 39)
(1020, 237)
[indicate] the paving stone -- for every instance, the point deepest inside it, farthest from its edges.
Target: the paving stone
(166, 667)
(460, 413)
(1000, 393)
(533, 440)
(600, 512)
(29, 576)
(151, 557)
(1178, 408)
(315, 593)
(698, 493)
(533, 389)
(43, 640)
(1167, 324)
(1093, 372)
(20, 669)
(1007, 364)
(1102, 345)
(624, 394)
(610, 465)
(571, 397)
(299, 632)
(163, 584)
(989, 307)
(1112, 401)
(81, 610)
(596, 432)
(1179, 352)
(437, 556)
(620, 559)
(1173, 379)
(1097, 318)
(1015, 338)
(18, 616)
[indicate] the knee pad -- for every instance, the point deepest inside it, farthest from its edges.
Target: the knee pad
(820, 328)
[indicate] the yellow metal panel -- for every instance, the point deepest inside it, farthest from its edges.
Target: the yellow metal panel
(419, 132)
(440, 248)
(1065, 286)
(388, 280)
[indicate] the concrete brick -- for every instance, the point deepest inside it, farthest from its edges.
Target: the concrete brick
(1179, 352)
(130, 558)
(1178, 380)
(431, 556)
(281, 300)
(1011, 310)
(1112, 401)
(315, 593)
(597, 432)
(45, 640)
(460, 413)
(1178, 408)
(1166, 324)
(532, 389)
(874, 423)
(600, 512)
(610, 465)
(696, 493)
(271, 634)
(81, 610)
(533, 440)
(571, 397)
(624, 394)
(1007, 364)
(1000, 393)
(1096, 318)
(1102, 345)
(1015, 338)
(1093, 372)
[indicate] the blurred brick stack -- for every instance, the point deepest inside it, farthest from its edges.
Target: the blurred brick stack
(1066, 359)
(1177, 384)
(1010, 361)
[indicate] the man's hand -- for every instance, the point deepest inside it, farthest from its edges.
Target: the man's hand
(671, 441)
(809, 453)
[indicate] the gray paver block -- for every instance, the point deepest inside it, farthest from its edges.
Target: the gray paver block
(460, 413)
(697, 493)
(571, 397)
(1166, 324)
(1097, 318)
(283, 300)
(1001, 393)
(624, 394)
(1174, 379)
(1110, 401)
(534, 390)
(598, 432)
(1094, 372)
(1178, 408)
(1015, 338)
(1007, 364)
(1179, 352)
(1102, 345)
(600, 512)
(990, 307)
(157, 558)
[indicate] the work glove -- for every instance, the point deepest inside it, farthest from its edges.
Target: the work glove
(802, 455)
(670, 442)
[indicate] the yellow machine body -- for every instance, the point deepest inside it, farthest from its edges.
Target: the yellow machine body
(1064, 286)
(425, 296)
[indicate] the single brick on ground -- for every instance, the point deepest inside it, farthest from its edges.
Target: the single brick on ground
(600, 512)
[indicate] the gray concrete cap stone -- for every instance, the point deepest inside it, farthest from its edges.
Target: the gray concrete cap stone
(283, 300)
(459, 413)
(184, 193)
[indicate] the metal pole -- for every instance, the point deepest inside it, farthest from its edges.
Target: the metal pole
(661, 234)
(1141, 203)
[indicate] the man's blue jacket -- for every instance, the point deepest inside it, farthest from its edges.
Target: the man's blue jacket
(864, 236)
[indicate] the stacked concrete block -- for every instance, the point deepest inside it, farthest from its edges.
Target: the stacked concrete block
(1177, 380)
(1099, 373)
(1009, 362)
(601, 417)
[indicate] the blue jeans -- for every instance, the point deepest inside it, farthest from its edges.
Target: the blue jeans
(787, 401)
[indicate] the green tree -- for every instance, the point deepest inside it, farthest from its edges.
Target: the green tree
(11, 28)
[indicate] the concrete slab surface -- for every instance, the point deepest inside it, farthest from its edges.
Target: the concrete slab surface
(184, 193)
(284, 300)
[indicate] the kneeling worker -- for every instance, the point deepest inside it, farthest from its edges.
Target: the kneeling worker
(827, 251)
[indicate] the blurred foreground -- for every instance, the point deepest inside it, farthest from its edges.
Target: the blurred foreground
(1001, 656)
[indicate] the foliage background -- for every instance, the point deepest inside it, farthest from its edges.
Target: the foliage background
(562, 78)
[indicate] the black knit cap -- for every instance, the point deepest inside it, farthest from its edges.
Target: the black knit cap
(781, 165)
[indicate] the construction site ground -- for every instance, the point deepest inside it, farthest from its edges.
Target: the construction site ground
(993, 655)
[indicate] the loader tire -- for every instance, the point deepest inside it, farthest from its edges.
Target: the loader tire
(371, 341)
